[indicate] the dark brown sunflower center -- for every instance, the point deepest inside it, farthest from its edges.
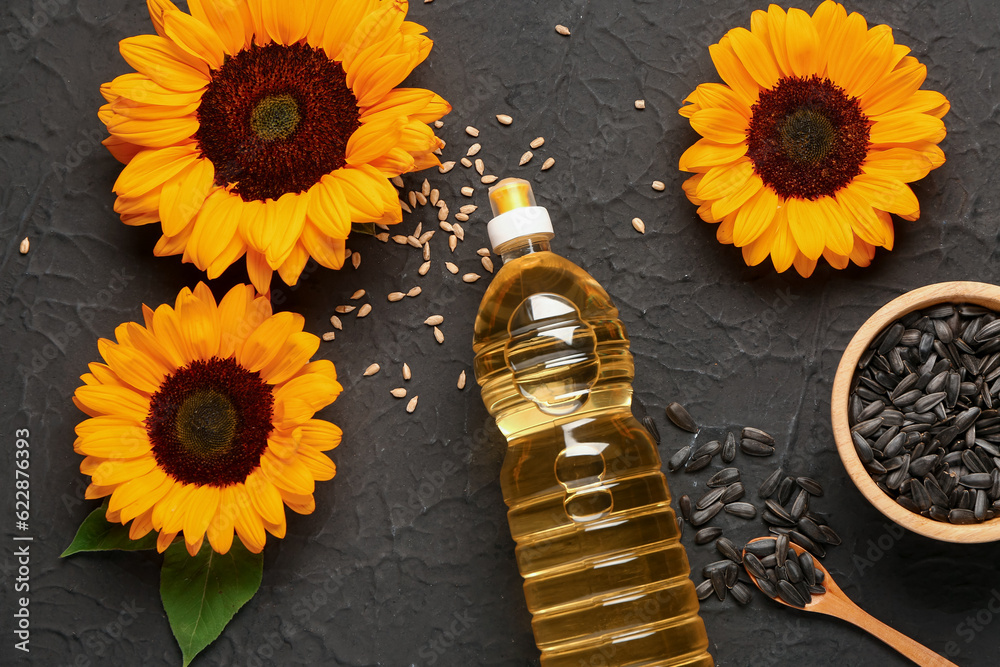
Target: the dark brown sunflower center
(807, 137)
(275, 119)
(209, 422)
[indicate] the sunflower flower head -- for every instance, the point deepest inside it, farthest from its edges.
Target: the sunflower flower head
(809, 145)
(201, 421)
(264, 128)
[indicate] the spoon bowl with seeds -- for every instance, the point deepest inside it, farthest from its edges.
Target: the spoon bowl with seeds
(823, 595)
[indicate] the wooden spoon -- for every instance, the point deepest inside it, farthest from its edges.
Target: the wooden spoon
(835, 603)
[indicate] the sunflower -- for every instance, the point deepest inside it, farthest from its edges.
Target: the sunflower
(266, 127)
(201, 421)
(808, 148)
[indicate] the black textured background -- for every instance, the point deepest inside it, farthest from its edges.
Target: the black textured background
(411, 535)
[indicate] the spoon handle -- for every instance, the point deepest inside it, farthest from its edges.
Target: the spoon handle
(913, 650)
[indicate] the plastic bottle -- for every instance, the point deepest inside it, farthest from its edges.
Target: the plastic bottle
(605, 577)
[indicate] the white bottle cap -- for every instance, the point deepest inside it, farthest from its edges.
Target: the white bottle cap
(515, 212)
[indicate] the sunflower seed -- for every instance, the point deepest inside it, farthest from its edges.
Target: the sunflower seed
(343, 310)
(706, 535)
(729, 448)
(562, 30)
(471, 131)
(434, 320)
(770, 484)
(742, 510)
(412, 405)
(504, 119)
(758, 435)
(468, 191)
(525, 158)
(335, 321)
(446, 166)
(650, 425)
(487, 263)
(372, 370)
(398, 392)
(424, 268)
(785, 490)
(679, 458)
(704, 589)
(699, 517)
(406, 372)
(680, 417)
(735, 492)
(470, 277)
(639, 225)
(548, 163)
(396, 296)
(726, 547)
(451, 267)
(810, 485)
(709, 498)
(364, 310)
(724, 477)
(685, 505)
(696, 464)
(537, 142)
(718, 579)
(640, 104)
(414, 291)
(659, 186)
(978, 480)
(791, 595)
(466, 162)
(488, 179)
(329, 335)
(752, 447)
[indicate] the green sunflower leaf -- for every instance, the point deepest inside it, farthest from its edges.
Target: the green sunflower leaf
(363, 228)
(96, 533)
(202, 594)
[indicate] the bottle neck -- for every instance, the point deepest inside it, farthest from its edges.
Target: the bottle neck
(524, 245)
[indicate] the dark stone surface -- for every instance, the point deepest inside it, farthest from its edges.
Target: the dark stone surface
(369, 578)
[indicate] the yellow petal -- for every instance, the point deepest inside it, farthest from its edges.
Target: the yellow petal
(214, 227)
(828, 19)
(805, 222)
(340, 25)
(157, 8)
(287, 21)
(326, 250)
(724, 232)
(163, 541)
(184, 195)
(384, 20)
(140, 89)
(290, 474)
(836, 261)
(134, 490)
(893, 89)
(783, 248)
(118, 471)
(203, 504)
(293, 266)
(259, 271)
(194, 37)
(220, 528)
(227, 19)
(864, 222)
(140, 526)
(755, 56)
(115, 442)
(328, 208)
(115, 401)
(733, 72)
(802, 42)
(804, 265)
(265, 498)
(903, 164)
(139, 370)
(246, 520)
(720, 125)
(319, 434)
(361, 186)
(705, 153)
(265, 342)
(164, 63)
(319, 465)
(294, 354)
(721, 181)
(887, 194)
(198, 321)
(290, 211)
(904, 128)
(755, 217)
(152, 168)
(867, 65)
(299, 503)
(837, 226)
(737, 198)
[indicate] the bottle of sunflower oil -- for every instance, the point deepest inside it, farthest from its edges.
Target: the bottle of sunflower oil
(606, 578)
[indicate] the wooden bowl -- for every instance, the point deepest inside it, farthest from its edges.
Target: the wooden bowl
(952, 292)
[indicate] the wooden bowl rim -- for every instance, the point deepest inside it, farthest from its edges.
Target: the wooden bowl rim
(981, 294)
